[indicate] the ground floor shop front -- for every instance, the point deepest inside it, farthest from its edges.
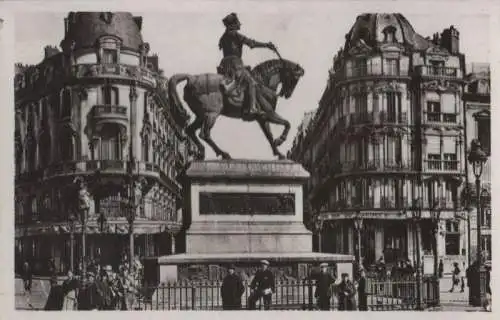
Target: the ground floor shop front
(394, 240)
(105, 248)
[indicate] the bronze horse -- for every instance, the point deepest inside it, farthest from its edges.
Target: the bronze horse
(204, 94)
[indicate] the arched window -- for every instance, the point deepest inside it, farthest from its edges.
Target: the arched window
(111, 144)
(389, 34)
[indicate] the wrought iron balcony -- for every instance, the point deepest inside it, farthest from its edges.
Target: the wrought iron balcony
(439, 72)
(110, 113)
(95, 70)
(442, 117)
(442, 165)
(370, 71)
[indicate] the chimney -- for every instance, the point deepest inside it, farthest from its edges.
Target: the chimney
(50, 51)
(138, 22)
(450, 40)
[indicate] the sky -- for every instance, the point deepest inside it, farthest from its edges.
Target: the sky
(186, 41)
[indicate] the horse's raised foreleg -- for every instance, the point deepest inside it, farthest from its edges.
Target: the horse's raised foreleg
(206, 128)
(267, 132)
(275, 118)
(191, 132)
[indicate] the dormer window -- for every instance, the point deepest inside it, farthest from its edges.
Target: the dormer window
(109, 56)
(389, 34)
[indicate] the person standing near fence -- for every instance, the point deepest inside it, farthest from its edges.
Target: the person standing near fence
(231, 290)
(362, 297)
(324, 282)
(263, 286)
(346, 293)
(455, 280)
(27, 277)
(70, 287)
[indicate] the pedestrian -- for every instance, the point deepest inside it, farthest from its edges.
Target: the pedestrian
(70, 288)
(231, 290)
(263, 286)
(89, 297)
(487, 304)
(129, 289)
(462, 278)
(104, 286)
(324, 290)
(455, 278)
(441, 268)
(27, 277)
(55, 298)
(346, 293)
(362, 297)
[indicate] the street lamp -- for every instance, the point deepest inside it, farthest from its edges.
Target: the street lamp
(358, 226)
(72, 221)
(135, 197)
(83, 209)
(318, 227)
(477, 157)
(435, 212)
(416, 213)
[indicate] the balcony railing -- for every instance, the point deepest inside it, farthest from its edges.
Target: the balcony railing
(103, 110)
(442, 117)
(444, 165)
(439, 72)
(370, 71)
(95, 70)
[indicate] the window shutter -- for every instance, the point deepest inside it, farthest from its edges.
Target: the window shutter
(448, 103)
(433, 145)
(449, 145)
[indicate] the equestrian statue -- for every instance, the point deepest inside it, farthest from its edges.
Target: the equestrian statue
(237, 91)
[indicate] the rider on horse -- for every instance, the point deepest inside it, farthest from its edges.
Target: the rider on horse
(231, 43)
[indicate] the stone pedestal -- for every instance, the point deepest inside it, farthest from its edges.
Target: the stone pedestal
(244, 206)
(242, 211)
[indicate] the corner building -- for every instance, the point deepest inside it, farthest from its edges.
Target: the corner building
(387, 140)
(97, 110)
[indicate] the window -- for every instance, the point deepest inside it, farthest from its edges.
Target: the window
(66, 146)
(110, 95)
(434, 161)
(486, 246)
(392, 106)
(360, 67)
(145, 148)
(433, 111)
(450, 161)
(486, 216)
(436, 68)
(109, 56)
(66, 105)
(45, 148)
(452, 237)
(110, 144)
(484, 133)
(392, 67)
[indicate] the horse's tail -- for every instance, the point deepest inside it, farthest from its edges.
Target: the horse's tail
(172, 86)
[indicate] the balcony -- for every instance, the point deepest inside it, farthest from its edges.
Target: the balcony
(370, 72)
(442, 165)
(110, 114)
(442, 117)
(436, 72)
(94, 70)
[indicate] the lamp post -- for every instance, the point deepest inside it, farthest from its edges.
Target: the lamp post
(435, 218)
(135, 197)
(416, 213)
(72, 221)
(83, 209)
(318, 227)
(477, 157)
(358, 225)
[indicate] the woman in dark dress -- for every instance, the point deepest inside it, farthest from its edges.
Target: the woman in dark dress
(362, 298)
(56, 296)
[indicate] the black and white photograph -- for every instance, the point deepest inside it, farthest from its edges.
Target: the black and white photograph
(259, 156)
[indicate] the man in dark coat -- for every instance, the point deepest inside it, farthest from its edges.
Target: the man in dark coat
(104, 287)
(231, 291)
(262, 286)
(346, 293)
(324, 284)
(362, 297)
(89, 297)
(56, 296)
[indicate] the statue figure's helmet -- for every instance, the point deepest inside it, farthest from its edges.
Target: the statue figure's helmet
(231, 21)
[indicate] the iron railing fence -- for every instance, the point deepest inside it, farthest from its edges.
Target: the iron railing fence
(289, 295)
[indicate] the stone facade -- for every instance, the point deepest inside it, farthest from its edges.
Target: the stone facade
(387, 141)
(97, 110)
